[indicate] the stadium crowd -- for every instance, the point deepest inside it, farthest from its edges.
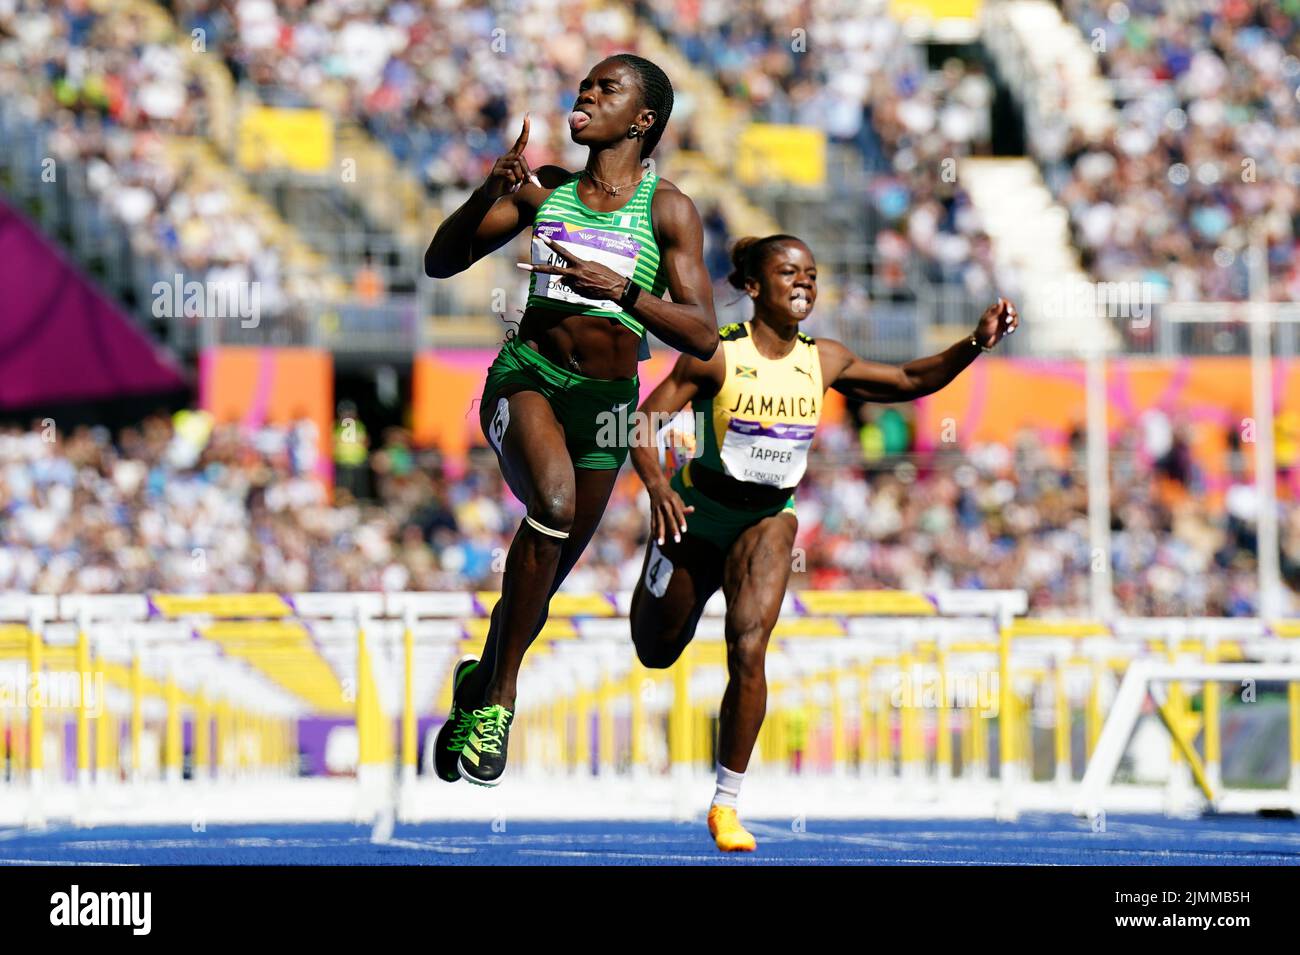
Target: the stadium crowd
(443, 86)
(113, 88)
(1209, 134)
(181, 506)
(846, 67)
(1207, 147)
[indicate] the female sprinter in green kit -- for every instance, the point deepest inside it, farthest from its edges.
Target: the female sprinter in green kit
(607, 241)
(727, 519)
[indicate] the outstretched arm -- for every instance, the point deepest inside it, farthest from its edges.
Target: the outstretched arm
(875, 381)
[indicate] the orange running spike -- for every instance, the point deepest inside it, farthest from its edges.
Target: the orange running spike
(727, 831)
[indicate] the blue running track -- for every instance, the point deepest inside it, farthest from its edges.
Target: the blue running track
(1033, 840)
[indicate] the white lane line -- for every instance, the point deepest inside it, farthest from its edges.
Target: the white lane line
(777, 833)
(408, 844)
(210, 843)
(972, 841)
(775, 860)
(982, 862)
(668, 857)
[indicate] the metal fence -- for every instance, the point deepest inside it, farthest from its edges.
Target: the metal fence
(388, 331)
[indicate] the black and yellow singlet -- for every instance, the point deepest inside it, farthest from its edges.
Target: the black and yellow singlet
(761, 423)
(753, 438)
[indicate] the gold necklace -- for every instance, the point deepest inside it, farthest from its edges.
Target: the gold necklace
(611, 189)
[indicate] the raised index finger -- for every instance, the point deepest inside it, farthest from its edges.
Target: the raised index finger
(522, 141)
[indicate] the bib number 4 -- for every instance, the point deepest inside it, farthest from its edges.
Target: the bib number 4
(658, 571)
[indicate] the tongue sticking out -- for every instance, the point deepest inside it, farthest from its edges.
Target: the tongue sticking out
(578, 120)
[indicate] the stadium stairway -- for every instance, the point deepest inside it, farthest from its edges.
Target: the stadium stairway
(1050, 68)
(306, 272)
(103, 245)
(1030, 234)
(836, 218)
(836, 229)
(411, 216)
(1053, 73)
(309, 271)
(401, 215)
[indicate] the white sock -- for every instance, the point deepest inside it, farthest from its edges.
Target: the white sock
(728, 791)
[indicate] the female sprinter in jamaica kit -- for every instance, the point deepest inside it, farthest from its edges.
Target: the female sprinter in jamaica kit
(727, 519)
(607, 241)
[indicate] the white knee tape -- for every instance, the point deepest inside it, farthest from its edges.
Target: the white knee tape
(543, 529)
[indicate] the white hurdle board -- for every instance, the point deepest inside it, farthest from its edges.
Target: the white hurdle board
(1140, 680)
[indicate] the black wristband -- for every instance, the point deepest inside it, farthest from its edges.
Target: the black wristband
(630, 294)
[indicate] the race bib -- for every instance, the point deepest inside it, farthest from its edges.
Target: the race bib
(500, 421)
(612, 249)
(775, 455)
(658, 571)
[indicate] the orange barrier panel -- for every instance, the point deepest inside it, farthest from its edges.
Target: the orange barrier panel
(257, 386)
(996, 399)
